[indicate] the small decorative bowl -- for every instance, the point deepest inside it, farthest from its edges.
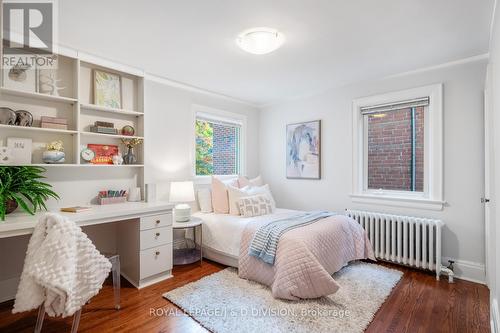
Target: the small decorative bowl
(53, 157)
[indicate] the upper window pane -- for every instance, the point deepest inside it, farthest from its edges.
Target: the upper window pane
(396, 150)
(217, 148)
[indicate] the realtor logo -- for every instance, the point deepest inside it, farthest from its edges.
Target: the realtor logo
(28, 30)
(28, 27)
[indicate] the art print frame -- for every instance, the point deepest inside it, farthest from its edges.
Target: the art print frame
(303, 150)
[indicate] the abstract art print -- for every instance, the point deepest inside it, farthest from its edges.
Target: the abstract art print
(303, 153)
(107, 89)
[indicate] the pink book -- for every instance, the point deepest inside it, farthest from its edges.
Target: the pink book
(54, 120)
(54, 126)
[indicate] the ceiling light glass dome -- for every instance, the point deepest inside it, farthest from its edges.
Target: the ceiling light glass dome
(260, 40)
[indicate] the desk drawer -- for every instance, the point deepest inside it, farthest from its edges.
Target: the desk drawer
(156, 260)
(156, 237)
(156, 221)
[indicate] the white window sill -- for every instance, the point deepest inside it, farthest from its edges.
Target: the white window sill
(395, 201)
(206, 180)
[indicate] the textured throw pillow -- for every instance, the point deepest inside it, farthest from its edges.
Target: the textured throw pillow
(265, 189)
(205, 201)
(220, 200)
(235, 194)
(255, 205)
(244, 181)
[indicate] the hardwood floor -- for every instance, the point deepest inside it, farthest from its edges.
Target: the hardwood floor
(418, 303)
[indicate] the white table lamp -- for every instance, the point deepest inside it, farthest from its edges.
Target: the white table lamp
(181, 193)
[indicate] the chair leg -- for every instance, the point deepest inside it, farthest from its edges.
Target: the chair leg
(76, 321)
(39, 319)
(116, 281)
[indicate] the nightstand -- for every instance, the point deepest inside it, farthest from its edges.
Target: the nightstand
(191, 254)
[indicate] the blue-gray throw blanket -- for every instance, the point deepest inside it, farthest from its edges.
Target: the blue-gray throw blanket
(265, 241)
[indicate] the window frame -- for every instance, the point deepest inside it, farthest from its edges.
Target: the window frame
(209, 113)
(432, 196)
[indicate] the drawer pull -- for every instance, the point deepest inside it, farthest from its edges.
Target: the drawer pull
(157, 234)
(157, 221)
(157, 253)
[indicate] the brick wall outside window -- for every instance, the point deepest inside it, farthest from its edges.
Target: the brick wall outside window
(225, 149)
(390, 150)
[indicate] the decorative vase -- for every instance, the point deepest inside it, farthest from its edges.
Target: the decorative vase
(53, 156)
(117, 160)
(10, 206)
(129, 157)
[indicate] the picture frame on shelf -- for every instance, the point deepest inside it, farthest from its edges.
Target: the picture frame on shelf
(20, 149)
(48, 80)
(21, 78)
(107, 89)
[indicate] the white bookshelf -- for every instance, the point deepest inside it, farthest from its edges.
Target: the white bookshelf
(76, 104)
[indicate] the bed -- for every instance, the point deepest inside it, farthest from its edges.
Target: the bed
(222, 234)
(305, 257)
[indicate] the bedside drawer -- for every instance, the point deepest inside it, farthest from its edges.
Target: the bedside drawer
(156, 237)
(156, 221)
(156, 260)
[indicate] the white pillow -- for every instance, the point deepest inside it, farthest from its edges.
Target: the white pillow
(265, 189)
(205, 201)
(244, 181)
(235, 194)
(255, 205)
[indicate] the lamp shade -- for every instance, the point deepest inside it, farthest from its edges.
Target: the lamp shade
(181, 192)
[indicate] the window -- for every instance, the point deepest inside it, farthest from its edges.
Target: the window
(398, 149)
(218, 144)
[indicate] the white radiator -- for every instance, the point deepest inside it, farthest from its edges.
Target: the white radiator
(406, 240)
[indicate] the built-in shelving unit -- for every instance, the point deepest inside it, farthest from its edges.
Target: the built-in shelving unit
(75, 73)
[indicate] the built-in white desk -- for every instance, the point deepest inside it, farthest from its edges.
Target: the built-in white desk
(144, 235)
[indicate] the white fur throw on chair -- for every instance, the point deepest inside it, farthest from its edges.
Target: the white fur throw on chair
(62, 268)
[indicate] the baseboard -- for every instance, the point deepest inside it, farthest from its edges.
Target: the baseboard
(467, 270)
(8, 289)
(494, 321)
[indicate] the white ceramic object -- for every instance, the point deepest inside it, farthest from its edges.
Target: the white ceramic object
(53, 157)
(117, 159)
(5, 155)
(134, 194)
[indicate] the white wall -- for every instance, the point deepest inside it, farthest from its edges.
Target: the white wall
(170, 133)
(463, 155)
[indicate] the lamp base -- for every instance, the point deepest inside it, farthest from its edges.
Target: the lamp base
(182, 213)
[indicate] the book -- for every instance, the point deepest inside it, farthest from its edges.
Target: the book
(103, 153)
(103, 130)
(54, 126)
(54, 120)
(104, 124)
(75, 209)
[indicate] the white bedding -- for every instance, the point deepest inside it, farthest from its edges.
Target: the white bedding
(222, 232)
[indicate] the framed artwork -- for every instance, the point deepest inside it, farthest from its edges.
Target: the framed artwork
(303, 150)
(20, 149)
(21, 77)
(107, 89)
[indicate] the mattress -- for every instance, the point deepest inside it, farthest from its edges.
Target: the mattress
(222, 232)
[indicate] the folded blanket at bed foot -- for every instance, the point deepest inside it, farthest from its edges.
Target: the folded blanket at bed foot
(305, 251)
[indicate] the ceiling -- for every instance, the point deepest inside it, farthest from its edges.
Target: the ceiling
(328, 42)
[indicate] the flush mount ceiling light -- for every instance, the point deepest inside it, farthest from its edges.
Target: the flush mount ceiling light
(260, 40)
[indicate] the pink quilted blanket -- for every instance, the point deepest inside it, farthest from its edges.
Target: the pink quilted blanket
(306, 257)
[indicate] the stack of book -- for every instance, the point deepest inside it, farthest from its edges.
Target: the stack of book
(103, 128)
(54, 123)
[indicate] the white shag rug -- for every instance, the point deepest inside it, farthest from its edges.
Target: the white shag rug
(222, 302)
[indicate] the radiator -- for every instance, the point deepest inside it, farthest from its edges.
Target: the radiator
(406, 240)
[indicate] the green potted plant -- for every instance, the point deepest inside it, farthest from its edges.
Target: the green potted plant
(21, 186)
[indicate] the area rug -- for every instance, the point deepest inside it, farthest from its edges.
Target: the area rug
(222, 302)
